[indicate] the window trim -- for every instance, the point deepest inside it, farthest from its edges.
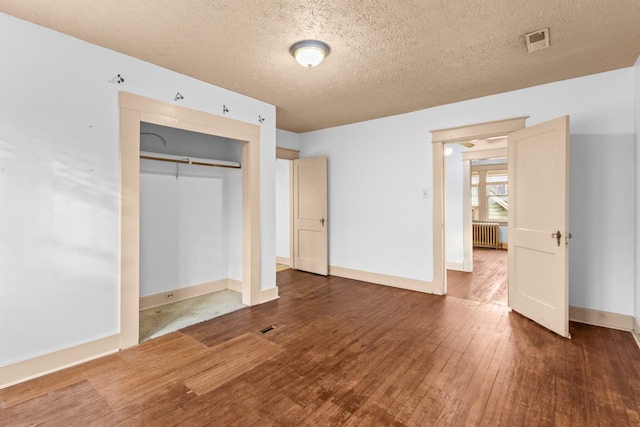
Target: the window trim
(483, 197)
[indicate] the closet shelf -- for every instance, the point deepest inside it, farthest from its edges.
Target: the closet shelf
(148, 155)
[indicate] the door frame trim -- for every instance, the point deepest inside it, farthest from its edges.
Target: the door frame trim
(289, 155)
(438, 139)
(135, 109)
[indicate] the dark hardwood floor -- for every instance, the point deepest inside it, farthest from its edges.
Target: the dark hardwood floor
(487, 283)
(344, 352)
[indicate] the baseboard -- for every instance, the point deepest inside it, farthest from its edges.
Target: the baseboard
(42, 365)
(457, 266)
(383, 279)
(180, 294)
(282, 260)
(606, 319)
(234, 285)
(636, 331)
(270, 294)
(38, 366)
(504, 246)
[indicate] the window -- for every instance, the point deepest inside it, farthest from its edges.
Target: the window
(475, 179)
(497, 196)
(475, 207)
(489, 192)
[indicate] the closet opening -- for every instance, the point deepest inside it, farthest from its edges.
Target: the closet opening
(135, 113)
(190, 228)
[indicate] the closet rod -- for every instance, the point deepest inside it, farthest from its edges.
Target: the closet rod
(188, 161)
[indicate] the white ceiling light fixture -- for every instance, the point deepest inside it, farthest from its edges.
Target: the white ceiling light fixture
(310, 53)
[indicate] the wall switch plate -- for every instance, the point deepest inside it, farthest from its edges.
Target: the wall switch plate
(425, 193)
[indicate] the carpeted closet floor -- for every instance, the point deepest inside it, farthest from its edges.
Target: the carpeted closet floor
(158, 321)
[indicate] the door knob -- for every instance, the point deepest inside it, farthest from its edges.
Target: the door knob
(557, 235)
(322, 222)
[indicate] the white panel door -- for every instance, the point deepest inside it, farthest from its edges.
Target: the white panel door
(310, 239)
(538, 223)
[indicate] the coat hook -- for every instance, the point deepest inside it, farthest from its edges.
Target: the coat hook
(260, 119)
(117, 79)
(225, 110)
(178, 96)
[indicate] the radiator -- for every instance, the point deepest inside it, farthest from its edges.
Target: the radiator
(485, 235)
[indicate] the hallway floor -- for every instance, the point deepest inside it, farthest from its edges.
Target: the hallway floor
(488, 283)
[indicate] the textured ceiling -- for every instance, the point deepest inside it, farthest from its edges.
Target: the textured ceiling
(388, 56)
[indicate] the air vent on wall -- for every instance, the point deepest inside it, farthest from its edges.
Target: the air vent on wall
(537, 40)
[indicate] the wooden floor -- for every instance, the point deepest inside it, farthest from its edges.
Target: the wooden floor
(281, 267)
(487, 283)
(343, 352)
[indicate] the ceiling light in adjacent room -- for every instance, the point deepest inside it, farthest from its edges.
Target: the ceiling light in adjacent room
(310, 53)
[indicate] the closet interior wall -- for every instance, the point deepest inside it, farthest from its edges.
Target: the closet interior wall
(190, 215)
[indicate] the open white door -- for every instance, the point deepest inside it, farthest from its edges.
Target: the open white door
(538, 223)
(310, 237)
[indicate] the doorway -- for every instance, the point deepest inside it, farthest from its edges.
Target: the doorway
(284, 193)
(284, 208)
(476, 213)
(538, 219)
(190, 228)
(308, 247)
(439, 140)
(135, 109)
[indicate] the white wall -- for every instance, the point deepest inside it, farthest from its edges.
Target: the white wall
(286, 139)
(378, 220)
(503, 234)
(283, 219)
(636, 91)
(380, 223)
(601, 203)
(185, 237)
(454, 205)
(59, 183)
(184, 232)
(234, 224)
(159, 233)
